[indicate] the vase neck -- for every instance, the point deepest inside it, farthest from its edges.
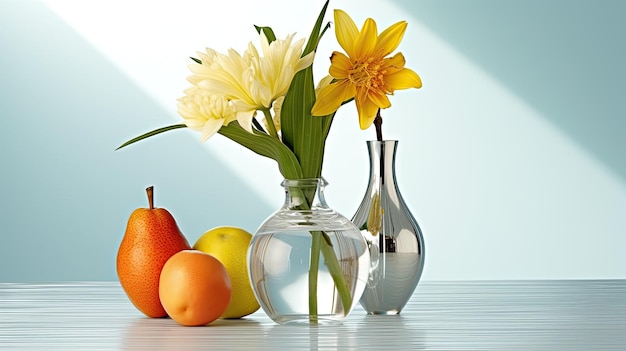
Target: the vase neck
(382, 156)
(304, 194)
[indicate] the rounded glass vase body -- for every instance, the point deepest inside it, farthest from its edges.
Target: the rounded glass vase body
(394, 238)
(307, 263)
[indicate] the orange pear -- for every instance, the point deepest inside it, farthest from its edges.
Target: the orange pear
(151, 238)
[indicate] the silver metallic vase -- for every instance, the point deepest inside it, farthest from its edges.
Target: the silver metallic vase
(394, 238)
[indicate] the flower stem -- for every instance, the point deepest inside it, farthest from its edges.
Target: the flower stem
(320, 242)
(316, 239)
(378, 122)
(271, 128)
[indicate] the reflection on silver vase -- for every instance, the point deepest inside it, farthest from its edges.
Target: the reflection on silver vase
(393, 236)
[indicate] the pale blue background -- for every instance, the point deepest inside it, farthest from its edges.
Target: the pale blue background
(511, 156)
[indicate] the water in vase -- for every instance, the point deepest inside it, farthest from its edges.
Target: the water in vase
(281, 273)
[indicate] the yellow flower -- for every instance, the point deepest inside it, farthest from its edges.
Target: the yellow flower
(251, 81)
(205, 112)
(365, 73)
(323, 83)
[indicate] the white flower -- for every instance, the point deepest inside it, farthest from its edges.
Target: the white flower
(205, 112)
(250, 81)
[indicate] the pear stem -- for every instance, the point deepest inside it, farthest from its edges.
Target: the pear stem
(150, 192)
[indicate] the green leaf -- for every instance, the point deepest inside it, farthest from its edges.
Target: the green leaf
(335, 272)
(152, 133)
(269, 33)
(265, 145)
(316, 33)
(304, 134)
(196, 60)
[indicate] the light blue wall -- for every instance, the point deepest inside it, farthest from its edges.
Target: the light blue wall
(511, 155)
(563, 57)
(65, 194)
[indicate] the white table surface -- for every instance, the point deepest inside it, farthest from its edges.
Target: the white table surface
(504, 315)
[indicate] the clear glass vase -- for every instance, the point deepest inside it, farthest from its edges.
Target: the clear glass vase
(307, 263)
(394, 238)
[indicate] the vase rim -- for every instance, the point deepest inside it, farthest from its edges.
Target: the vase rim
(304, 182)
(383, 141)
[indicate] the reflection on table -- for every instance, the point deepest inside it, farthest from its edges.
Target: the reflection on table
(503, 315)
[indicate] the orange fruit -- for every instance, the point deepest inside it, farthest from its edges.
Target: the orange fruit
(194, 288)
(151, 238)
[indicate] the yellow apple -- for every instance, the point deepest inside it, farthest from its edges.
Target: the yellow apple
(230, 246)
